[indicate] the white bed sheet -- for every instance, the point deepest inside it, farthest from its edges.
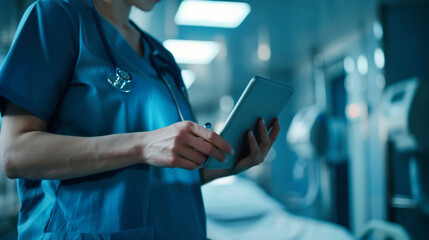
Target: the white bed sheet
(237, 208)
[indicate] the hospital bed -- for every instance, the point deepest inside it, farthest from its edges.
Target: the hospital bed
(237, 208)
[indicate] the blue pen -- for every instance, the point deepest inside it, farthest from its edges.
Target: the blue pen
(208, 125)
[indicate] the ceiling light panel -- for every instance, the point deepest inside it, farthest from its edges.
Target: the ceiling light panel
(191, 51)
(212, 13)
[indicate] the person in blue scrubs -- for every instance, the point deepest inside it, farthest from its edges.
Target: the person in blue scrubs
(94, 162)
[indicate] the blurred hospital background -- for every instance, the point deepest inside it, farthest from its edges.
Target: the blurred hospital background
(351, 160)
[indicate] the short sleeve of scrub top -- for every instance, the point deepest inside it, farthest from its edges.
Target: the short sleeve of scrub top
(57, 70)
(40, 63)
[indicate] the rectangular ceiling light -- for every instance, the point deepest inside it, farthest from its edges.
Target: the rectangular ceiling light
(211, 13)
(192, 52)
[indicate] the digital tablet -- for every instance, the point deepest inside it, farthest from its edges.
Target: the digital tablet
(262, 98)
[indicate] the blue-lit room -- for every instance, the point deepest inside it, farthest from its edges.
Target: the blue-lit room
(220, 120)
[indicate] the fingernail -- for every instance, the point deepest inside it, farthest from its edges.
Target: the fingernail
(263, 121)
(251, 133)
(231, 152)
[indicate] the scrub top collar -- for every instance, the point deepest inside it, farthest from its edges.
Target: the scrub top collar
(128, 58)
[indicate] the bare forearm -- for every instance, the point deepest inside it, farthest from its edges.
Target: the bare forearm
(42, 155)
(28, 151)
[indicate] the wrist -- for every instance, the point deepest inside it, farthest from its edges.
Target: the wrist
(125, 147)
(136, 146)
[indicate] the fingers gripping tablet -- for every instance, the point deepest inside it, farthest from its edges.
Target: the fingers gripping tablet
(262, 98)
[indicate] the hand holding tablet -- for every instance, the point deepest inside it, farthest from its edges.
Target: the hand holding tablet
(262, 98)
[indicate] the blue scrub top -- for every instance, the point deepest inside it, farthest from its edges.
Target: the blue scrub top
(57, 69)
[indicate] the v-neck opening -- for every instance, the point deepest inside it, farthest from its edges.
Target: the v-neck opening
(147, 49)
(126, 52)
(102, 18)
(122, 38)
